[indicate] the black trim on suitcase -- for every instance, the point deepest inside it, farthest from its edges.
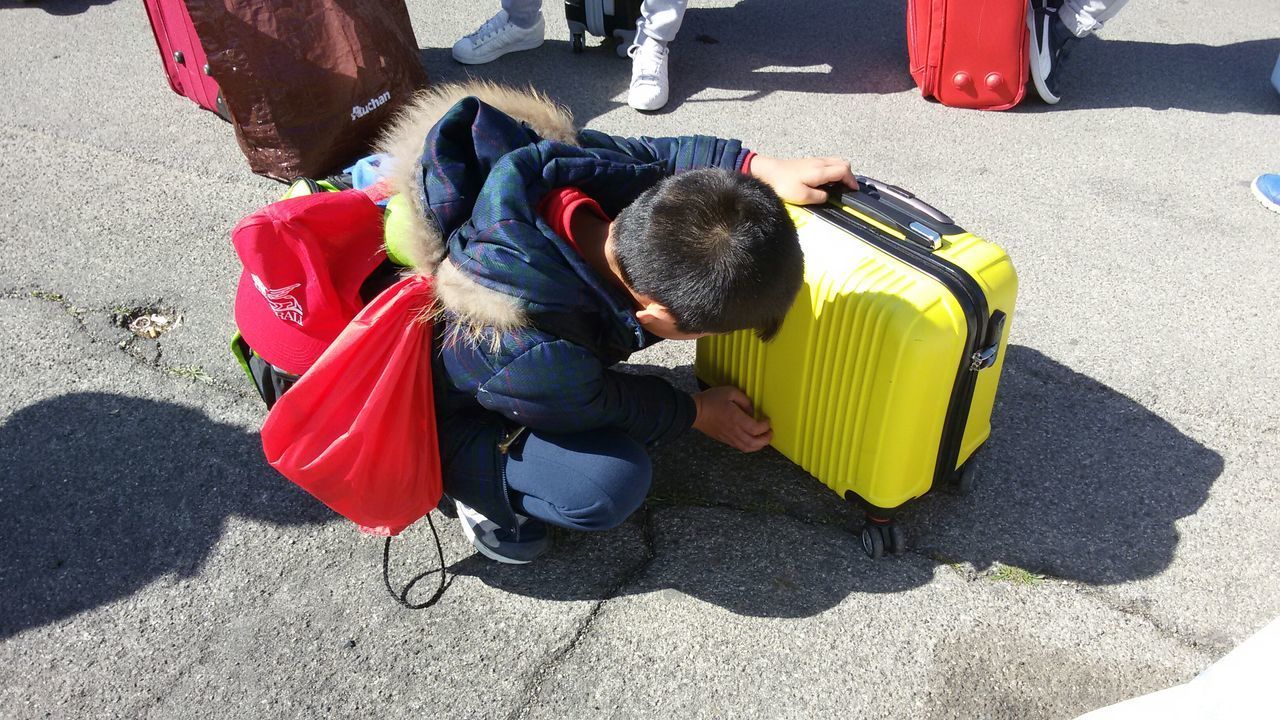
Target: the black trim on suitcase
(968, 294)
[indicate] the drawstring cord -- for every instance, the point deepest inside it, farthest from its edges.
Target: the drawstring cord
(403, 596)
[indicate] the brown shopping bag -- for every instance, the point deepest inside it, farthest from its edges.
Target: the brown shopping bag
(308, 83)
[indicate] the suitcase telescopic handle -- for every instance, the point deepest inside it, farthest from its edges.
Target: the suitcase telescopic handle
(910, 200)
(892, 206)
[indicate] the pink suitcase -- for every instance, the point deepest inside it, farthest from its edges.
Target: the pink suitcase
(184, 59)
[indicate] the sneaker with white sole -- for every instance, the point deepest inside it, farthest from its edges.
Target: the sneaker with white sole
(1267, 189)
(648, 75)
(497, 37)
(530, 539)
(1051, 43)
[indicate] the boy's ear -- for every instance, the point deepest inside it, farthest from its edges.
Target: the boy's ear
(659, 320)
(655, 314)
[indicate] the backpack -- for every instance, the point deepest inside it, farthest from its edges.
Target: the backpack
(347, 379)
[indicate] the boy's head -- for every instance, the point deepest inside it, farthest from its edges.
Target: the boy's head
(712, 251)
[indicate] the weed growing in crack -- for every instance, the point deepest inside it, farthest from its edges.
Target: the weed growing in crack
(190, 372)
(60, 299)
(1015, 575)
(955, 565)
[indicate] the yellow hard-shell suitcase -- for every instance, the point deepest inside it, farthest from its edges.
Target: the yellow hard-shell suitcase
(881, 380)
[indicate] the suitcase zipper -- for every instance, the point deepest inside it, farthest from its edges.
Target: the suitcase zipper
(972, 301)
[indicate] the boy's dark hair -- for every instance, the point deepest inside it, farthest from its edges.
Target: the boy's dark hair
(717, 248)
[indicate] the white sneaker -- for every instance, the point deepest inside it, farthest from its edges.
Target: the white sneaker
(495, 38)
(648, 75)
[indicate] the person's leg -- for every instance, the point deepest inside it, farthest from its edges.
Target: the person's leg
(658, 24)
(524, 13)
(1050, 40)
(471, 463)
(584, 481)
(1085, 17)
(518, 26)
(660, 20)
(1055, 25)
(590, 481)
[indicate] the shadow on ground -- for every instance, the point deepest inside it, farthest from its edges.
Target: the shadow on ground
(741, 53)
(756, 48)
(54, 7)
(1078, 482)
(1189, 76)
(103, 494)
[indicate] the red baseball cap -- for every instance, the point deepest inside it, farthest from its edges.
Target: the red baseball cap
(304, 261)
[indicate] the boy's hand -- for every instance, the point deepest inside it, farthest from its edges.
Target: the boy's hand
(725, 414)
(799, 181)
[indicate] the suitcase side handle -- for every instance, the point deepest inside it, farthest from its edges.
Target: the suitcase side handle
(898, 209)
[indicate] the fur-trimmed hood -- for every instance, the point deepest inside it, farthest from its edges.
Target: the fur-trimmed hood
(425, 248)
(476, 159)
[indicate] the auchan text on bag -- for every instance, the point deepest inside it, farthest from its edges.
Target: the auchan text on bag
(360, 111)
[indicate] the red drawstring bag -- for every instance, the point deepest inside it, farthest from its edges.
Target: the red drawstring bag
(358, 430)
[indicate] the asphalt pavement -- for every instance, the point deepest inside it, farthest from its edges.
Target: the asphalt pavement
(1124, 534)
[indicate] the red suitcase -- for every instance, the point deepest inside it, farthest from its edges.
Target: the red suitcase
(184, 59)
(969, 53)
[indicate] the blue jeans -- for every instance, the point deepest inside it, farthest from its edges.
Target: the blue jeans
(582, 481)
(586, 481)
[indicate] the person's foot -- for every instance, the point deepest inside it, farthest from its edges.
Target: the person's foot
(1051, 43)
(1267, 189)
(528, 541)
(495, 38)
(648, 75)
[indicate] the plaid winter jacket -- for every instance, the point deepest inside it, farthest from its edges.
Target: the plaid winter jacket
(529, 331)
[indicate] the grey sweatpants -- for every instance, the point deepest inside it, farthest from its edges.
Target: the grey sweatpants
(660, 19)
(1085, 17)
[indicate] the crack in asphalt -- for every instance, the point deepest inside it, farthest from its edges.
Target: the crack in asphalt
(533, 687)
(126, 342)
(75, 311)
(531, 692)
(130, 347)
(1136, 610)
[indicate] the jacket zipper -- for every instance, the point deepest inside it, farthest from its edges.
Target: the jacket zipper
(504, 446)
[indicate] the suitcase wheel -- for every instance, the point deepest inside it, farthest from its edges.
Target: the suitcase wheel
(221, 108)
(962, 481)
(578, 41)
(880, 535)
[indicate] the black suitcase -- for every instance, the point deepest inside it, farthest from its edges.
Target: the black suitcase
(602, 18)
